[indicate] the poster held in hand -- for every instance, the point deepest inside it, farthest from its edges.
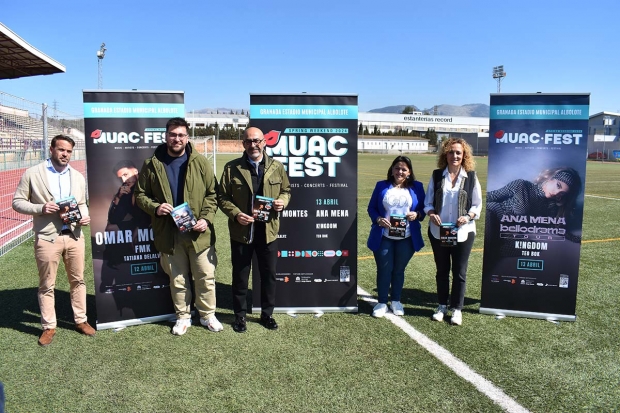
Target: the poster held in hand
(261, 208)
(183, 217)
(398, 226)
(447, 234)
(69, 211)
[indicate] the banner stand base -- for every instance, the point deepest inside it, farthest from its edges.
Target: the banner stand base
(136, 321)
(528, 314)
(309, 310)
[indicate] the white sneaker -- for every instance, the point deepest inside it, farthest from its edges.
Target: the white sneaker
(379, 310)
(457, 318)
(440, 312)
(397, 308)
(212, 324)
(181, 326)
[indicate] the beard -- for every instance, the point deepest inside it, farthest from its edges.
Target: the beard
(59, 163)
(174, 151)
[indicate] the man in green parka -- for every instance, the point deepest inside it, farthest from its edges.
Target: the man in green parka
(250, 185)
(174, 175)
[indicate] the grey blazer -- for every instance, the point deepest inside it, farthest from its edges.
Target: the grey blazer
(33, 191)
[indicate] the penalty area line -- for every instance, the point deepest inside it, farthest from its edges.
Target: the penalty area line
(483, 385)
(602, 197)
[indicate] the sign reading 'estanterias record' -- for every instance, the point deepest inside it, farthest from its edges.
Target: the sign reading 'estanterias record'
(535, 193)
(315, 137)
(122, 129)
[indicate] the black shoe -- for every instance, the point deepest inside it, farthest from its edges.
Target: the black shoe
(268, 322)
(239, 325)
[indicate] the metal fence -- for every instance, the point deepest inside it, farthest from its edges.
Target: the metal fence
(26, 129)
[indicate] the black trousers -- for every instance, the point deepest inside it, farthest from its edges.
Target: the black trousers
(241, 256)
(455, 258)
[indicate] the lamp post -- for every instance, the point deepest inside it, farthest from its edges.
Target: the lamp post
(499, 74)
(100, 56)
(607, 122)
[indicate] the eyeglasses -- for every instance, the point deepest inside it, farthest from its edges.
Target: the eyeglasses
(252, 141)
(177, 135)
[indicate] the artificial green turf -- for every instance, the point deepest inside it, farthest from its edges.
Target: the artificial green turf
(338, 362)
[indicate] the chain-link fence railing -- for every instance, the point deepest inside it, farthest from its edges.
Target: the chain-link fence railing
(26, 129)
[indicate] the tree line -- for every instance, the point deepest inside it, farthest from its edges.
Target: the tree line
(232, 133)
(430, 134)
(226, 132)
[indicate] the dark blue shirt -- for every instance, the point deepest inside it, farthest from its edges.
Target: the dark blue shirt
(175, 170)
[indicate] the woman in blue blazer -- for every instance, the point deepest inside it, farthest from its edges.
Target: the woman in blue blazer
(396, 209)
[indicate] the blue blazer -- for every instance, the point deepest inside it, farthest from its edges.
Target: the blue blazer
(376, 210)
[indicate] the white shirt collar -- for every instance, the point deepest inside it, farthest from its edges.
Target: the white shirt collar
(51, 168)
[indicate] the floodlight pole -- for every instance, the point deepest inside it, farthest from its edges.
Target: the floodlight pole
(499, 74)
(100, 56)
(606, 123)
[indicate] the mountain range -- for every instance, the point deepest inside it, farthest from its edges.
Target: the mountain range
(476, 110)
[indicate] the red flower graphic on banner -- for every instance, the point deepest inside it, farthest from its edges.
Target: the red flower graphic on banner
(499, 134)
(96, 134)
(271, 138)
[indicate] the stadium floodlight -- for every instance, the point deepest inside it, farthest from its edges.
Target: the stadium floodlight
(499, 74)
(100, 56)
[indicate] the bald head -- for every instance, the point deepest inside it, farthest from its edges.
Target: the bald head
(252, 131)
(254, 143)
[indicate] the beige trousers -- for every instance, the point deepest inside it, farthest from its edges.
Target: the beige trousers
(202, 267)
(48, 255)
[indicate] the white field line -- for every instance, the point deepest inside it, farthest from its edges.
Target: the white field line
(463, 370)
(603, 197)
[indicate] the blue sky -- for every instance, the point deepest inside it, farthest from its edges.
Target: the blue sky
(387, 52)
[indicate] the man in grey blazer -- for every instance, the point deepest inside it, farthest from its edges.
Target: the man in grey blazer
(37, 194)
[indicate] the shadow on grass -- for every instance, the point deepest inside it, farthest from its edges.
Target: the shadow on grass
(20, 309)
(412, 299)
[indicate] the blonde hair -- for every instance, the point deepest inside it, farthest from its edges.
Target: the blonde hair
(468, 163)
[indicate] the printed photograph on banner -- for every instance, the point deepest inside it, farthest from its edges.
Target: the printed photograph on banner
(122, 130)
(534, 204)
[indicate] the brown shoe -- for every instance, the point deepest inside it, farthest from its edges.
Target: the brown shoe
(85, 328)
(46, 337)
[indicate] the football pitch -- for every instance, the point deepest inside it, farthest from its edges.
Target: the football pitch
(337, 362)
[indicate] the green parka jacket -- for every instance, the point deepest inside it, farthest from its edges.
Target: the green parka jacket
(235, 195)
(199, 192)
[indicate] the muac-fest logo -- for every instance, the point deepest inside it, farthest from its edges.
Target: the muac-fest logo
(306, 153)
(550, 137)
(151, 135)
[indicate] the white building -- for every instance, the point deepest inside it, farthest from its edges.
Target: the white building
(202, 120)
(472, 129)
(604, 135)
(443, 125)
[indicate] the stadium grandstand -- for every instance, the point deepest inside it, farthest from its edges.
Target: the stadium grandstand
(25, 131)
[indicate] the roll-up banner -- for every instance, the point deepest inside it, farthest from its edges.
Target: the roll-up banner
(534, 212)
(122, 129)
(315, 137)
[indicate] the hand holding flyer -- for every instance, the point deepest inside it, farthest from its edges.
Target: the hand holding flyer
(69, 211)
(447, 234)
(398, 226)
(262, 208)
(183, 217)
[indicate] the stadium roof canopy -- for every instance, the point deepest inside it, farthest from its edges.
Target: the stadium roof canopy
(19, 59)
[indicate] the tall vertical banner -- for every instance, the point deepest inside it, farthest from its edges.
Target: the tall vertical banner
(315, 137)
(122, 129)
(534, 212)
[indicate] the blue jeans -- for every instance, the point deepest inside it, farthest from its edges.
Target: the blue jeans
(392, 259)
